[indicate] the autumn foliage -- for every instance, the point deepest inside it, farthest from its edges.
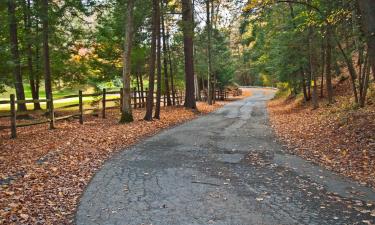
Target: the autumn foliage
(43, 172)
(339, 137)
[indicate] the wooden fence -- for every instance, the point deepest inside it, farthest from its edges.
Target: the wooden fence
(138, 100)
(97, 106)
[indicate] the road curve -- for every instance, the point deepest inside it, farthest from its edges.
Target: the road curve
(224, 168)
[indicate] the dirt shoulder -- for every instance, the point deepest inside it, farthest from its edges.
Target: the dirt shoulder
(338, 137)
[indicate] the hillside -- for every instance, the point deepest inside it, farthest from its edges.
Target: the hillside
(341, 137)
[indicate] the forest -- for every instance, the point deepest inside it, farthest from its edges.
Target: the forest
(51, 46)
(307, 66)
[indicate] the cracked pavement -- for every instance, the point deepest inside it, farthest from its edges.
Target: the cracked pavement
(224, 168)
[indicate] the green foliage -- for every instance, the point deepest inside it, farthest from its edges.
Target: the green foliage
(283, 90)
(223, 63)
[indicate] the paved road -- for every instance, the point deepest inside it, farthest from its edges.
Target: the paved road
(224, 168)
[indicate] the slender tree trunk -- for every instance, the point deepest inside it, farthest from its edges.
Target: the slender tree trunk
(18, 82)
(352, 71)
(312, 69)
(142, 90)
(213, 72)
(151, 83)
(304, 90)
(196, 88)
(46, 58)
(367, 9)
(171, 70)
(37, 55)
(196, 84)
(138, 89)
(188, 33)
(328, 66)
(32, 80)
(165, 59)
(363, 81)
(173, 88)
(306, 94)
(158, 60)
(323, 67)
(127, 115)
(209, 68)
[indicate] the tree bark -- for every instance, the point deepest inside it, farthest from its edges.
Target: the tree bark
(188, 33)
(323, 52)
(142, 90)
(151, 83)
(328, 65)
(127, 115)
(363, 81)
(312, 69)
(138, 89)
(173, 88)
(17, 76)
(158, 60)
(169, 50)
(304, 90)
(367, 9)
(209, 69)
(32, 77)
(46, 58)
(165, 57)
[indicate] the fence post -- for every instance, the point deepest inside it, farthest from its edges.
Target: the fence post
(80, 107)
(13, 116)
(135, 97)
(103, 103)
(51, 113)
(121, 98)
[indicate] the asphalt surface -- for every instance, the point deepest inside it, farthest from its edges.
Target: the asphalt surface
(224, 168)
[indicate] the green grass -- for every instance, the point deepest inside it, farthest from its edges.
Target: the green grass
(5, 108)
(58, 93)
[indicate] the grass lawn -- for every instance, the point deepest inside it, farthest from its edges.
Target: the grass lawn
(4, 108)
(42, 93)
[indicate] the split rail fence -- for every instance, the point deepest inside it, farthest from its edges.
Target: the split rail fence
(97, 105)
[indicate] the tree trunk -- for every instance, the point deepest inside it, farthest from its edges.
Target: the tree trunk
(322, 71)
(150, 95)
(209, 69)
(328, 66)
(138, 90)
(158, 60)
(304, 90)
(46, 59)
(363, 81)
(173, 88)
(126, 112)
(17, 76)
(367, 9)
(37, 71)
(165, 59)
(352, 71)
(32, 79)
(312, 69)
(171, 69)
(188, 33)
(142, 90)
